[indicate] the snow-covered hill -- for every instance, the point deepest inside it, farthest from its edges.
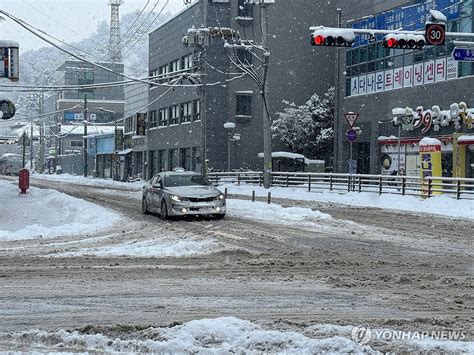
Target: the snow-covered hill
(37, 66)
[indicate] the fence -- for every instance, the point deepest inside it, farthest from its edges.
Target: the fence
(459, 188)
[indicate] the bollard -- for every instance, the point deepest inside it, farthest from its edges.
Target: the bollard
(253, 196)
(225, 193)
(269, 198)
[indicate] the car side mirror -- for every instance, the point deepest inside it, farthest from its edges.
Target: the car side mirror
(158, 186)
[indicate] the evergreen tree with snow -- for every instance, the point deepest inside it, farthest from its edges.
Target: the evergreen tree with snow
(307, 129)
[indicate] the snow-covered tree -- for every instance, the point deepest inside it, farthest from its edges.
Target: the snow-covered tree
(307, 129)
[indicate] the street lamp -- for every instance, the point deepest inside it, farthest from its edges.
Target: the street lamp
(229, 126)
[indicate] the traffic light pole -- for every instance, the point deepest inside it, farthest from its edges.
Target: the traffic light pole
(389, 32)
(203, 103)
(337, 99)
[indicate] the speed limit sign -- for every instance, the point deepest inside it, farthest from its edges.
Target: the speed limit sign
(435, 34)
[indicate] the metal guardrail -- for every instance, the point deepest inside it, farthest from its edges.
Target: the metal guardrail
(459, 188)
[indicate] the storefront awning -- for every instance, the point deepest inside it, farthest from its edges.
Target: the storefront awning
(125, 152)
(466, 140)
(410, 140)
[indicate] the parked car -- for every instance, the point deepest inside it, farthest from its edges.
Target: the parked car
(181, 194)
(10, 164)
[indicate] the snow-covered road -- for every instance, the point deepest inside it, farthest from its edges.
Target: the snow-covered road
(288, 273)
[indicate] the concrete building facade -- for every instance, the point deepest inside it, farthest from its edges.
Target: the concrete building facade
(105, 105)
(378, 80)
(136, 110)
(176, 132)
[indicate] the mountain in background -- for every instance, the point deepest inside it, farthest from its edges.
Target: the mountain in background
(38, 66)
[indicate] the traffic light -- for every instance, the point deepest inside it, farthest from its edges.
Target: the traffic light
(404, 41)
(339, 37)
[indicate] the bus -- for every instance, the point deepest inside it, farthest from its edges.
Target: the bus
(11, 164)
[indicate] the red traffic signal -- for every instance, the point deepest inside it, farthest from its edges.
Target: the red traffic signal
(404, 41)
(391, 43)
(317, 40)
(326, 36)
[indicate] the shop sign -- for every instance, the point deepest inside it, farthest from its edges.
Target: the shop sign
(459, 157)
(428, 72)
(430, 158)
(458, 114)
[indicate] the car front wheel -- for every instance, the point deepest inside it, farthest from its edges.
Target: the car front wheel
(144, 206)
(163, 210)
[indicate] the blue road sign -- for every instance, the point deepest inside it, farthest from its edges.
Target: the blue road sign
(463, 54)
(351, 135)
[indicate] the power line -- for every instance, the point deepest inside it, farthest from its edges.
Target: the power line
(169, 86)
(134, 22)
(27, 27)
(148, 28)
(137, 30)
(123, 119)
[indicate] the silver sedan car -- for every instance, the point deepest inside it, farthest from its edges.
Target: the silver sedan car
(181, 194)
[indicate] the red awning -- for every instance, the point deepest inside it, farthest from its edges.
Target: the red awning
(466, 140)
(411, 140)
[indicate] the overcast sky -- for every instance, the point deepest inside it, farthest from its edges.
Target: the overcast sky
(69, 20)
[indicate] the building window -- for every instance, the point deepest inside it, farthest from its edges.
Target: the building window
(187, 62)
(86, 92)
(195, 159)
(163, 73)
(85, 77)
(163, 117)
(77, 144)
(153, 74)
(244, 105)
(173, 159)
(130, 124)
(161, 166)
(152, 162)
(174, 115)
(196, 110)
(244, 56)
(185, 158)
(153, 119)
(186, 112)
(245, 9)
(174, 66)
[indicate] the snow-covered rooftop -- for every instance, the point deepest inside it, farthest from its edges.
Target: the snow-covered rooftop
(91, 130)
(294, 156)
(429, 141)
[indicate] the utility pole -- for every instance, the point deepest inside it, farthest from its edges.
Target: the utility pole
(84, 144)
(31, 143)
(23, 144)
(267, 133)
(337, 78)
(57, 131)
(42, 136)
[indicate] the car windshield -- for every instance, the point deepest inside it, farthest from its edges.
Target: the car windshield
(186, 180)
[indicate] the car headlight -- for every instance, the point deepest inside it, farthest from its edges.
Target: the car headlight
(176, 198)
(221, 197)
